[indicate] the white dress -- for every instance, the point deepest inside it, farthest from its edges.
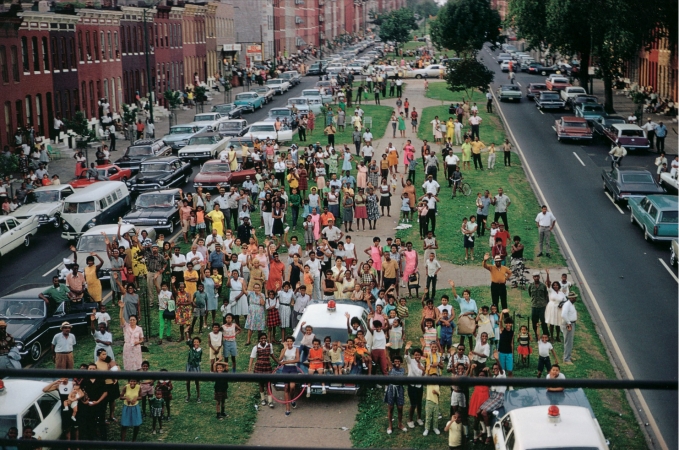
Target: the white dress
(284, 308)
(553, 313)
(238, 307)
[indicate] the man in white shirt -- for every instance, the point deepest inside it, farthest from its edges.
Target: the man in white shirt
(545, 222)
(569, 315)
(213, 239)
(314, 264)
(489, 102)
(367, 152)
(475, 121)
(178, 265)
(431, 186)
(451, 160)
(195, 257)
(649, 128)
(301, 302)
(367, 136)
(433, 268)
(332, 234)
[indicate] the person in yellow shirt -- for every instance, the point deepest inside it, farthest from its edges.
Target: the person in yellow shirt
(191, 278)
(131, 410)
(466, 154)
(454, 428)
(477, 146)
(216, 217)
(233, 160)
(499, 275)
(491, 156)
(431, 408)
(450, 129)
(293, 180)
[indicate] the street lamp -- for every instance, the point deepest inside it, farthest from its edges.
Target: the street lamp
(148, 65)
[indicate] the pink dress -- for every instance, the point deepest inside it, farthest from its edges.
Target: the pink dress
(132, 353)
(376, 257)
(411, 262)
(408, 152)
(316, 219)
(362, 178)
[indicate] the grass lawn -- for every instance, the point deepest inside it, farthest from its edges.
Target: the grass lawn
(612, 410)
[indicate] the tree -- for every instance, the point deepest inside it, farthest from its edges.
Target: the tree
(80, 126)
(468, 75)
(397, 25)
(465, 25)
(426, 8)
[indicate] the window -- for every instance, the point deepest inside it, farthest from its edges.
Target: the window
(155, 31)
(115, 194)
(105, 88)
(87, 46)
(55, 49)
(57, 103)
(102, 204)
(36, 59)
(46, 403)
(83, 90)
(67, 107)
(92, 102)
(109, 199)
(3, 64)
(103, 46)
(98, 89)
(134, 39)
(129, 39)
(24, 53)
(29, 111)
(110, 47)
(115, 42)
(45, 54)
(72, 45)
(95, 40)
(38, 114)
(31, 418)
(8, 119)
(76, 100)
(64, 54)
(14, 56)
(80, 46)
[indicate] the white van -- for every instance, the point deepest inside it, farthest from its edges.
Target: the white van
(97, 204)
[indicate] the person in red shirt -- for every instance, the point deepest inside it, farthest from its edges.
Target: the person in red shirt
(503, 234)
(140, 129)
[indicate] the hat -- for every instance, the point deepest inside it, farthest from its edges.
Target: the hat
(65, 325)
(154, 245)
(67, 261)
(247, 177)
(499, 258)
(3, 323)
(536, 273)
(572, 295)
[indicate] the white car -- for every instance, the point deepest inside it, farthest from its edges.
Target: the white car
(265, 91)
(279, 85)
(300, 103)
(203, 147)
(45, 202)
(668, 180)
(325, 98)
(431, 71)
(14, 232)
(210, 118)
(267, 130)
(23, 404)
(505, 66)
(502, 57)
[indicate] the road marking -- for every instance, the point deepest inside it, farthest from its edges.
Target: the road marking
(668, 269)
(543, 113)
(614, 204)
(585, 286)
(51, 270)
(553, 127)
(576, 155)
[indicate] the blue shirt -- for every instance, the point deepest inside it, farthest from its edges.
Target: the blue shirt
(217, 260)
(446, 331)
(661, 131)
(350, 179)
(467, 306)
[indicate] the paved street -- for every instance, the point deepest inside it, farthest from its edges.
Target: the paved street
(625, 274)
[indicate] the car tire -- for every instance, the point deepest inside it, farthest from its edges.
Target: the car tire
(57, 221)
(543, 73)
(418, 76)
(35, 351)
(27, 240)
(170, 231)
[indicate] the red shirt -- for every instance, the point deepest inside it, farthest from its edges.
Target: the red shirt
(413, 115)
(504, 235)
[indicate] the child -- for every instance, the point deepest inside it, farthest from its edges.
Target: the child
(524, 344)
(402, 310)
(446, 326)
(217, 278)
(495, 323)
(146, 388)
(506, 345)
(349, 356)
(362, 352)
(165, 303)
(327, 347)
(221, 387)
(316, 362)
(544, 347)
(483, 324)
(165, 387)
(455, 432)
(565, 284)
(336, 357)
(391, 303)
(72, 400)
(393, 183)
(308, 278)
(193, 221)
(428, 334)
(273, 317)
(395, 395)
(433, 360)
(229, 332)
(101, 317)
(431, 408)
(215, 344)
(193, 365)
(156, 404)
(200, 221)
(199, 308)
(131, 413)
(493, 231)
(395, 337)
(225, 309)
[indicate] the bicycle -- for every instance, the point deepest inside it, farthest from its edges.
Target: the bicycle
(519, 270)
(462, 187)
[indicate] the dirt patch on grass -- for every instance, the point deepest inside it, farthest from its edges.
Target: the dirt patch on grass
(591, 347)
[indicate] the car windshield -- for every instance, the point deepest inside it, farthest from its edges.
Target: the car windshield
(203, 117)
(79, 208)
(93, 243)
(559, 80)
(280, 113)
(574, 124)
(222, 108)
(298, 101)
(230, 126)
(274, 81)
(311, 93)
(669, 217)
(154, 201)
(510, 88)
(549, 96)
(139, 151)
(632, 133)
(44, 197)
(637, 178)
(244, 96)
(262, 128)
(29, 309)
(610, 122)
(181, 130)
(215, 168)
(202, 140)
(155, 167)
(592, 108)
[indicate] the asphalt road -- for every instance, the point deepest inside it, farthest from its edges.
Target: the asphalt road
(37, 264)
(624, 272)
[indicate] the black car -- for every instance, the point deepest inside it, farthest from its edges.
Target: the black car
(32, 323)
(539, 69)
(141, 150)
(600, 123)
(625, 182)
(158, 209)
(229, 109)
(160, 173)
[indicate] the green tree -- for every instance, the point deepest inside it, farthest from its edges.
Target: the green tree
(80, 126)
(426, 8)
(174, 98)
(465, 25)
(397, 25)
(468, 75)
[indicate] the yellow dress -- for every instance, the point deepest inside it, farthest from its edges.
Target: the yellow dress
(233, 160)
(450, 130)
(217, 221)
(138, 266)
(93, 283)
(191, 286)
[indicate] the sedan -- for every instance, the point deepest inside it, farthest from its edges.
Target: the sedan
(179, 135)
(628, 182)
(249, 101)
(228, 109)
(203, 147)
(535, 88)
(657, 215)
(215, 174)
(45, 202)
(160, 173)
(15, 232)
(556, 83)
(573, 129)
(142, 150)
(549, 100)
(158, 209)
(432, 71)
(539, 69)
(33, 323)
(668, 180)
(231, 128)
(590, 111)
(278, 84)
(509, 92)
(106, 172)
(628, 135)
(267, 130)
(266, 92)
(601, 123)
(24, 404)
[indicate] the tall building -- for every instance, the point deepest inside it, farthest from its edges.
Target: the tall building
(254, 30)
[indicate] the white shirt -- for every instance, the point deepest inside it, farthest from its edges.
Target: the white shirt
(483, 349)
(432, 267)
(379, 340)
(559, 377)
(649, 126)
(211, 240)
(431, 202)
(545, 220)
(190, 256)
(568, 313)
(452, 160)
(279, 167)
(332, 234)
(178, 259)
(500, 389)
(224, 156)
(431, 186)
(475, 120)
(315, 266)
(544, 348)
(367, 136)
(368, 151)
(253, 353)
(447, 307)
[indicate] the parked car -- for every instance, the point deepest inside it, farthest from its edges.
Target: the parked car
(96, 204)
(355, 68)
(502, 57)
(590, 111)
(573, 129)
(106, 172)
(179, 135)
(582, 99)
(509, 92)
(301, 104)
(534, 88)
(210, 119)
(570, 93)
(267, 130)
(285, 114)
(318, 93)
(557, 83)
(292, 76)
(535, 418)
(549, 100)
(249, 101)
(15, 232)
(431, 71)
(278, 84)
(204, 146)
(33, 323)
(231, 128)
(157, 209)
(142, 150)
(229, 110)
(317, 68)
(24, 404)
(601, 123)
(668, 180)
(628, 182)
(628, 135)
(160, 173)
(215, 174)
(674, 251)
(265, 91)
(657, 215)
(539, 69)
(45, 202)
